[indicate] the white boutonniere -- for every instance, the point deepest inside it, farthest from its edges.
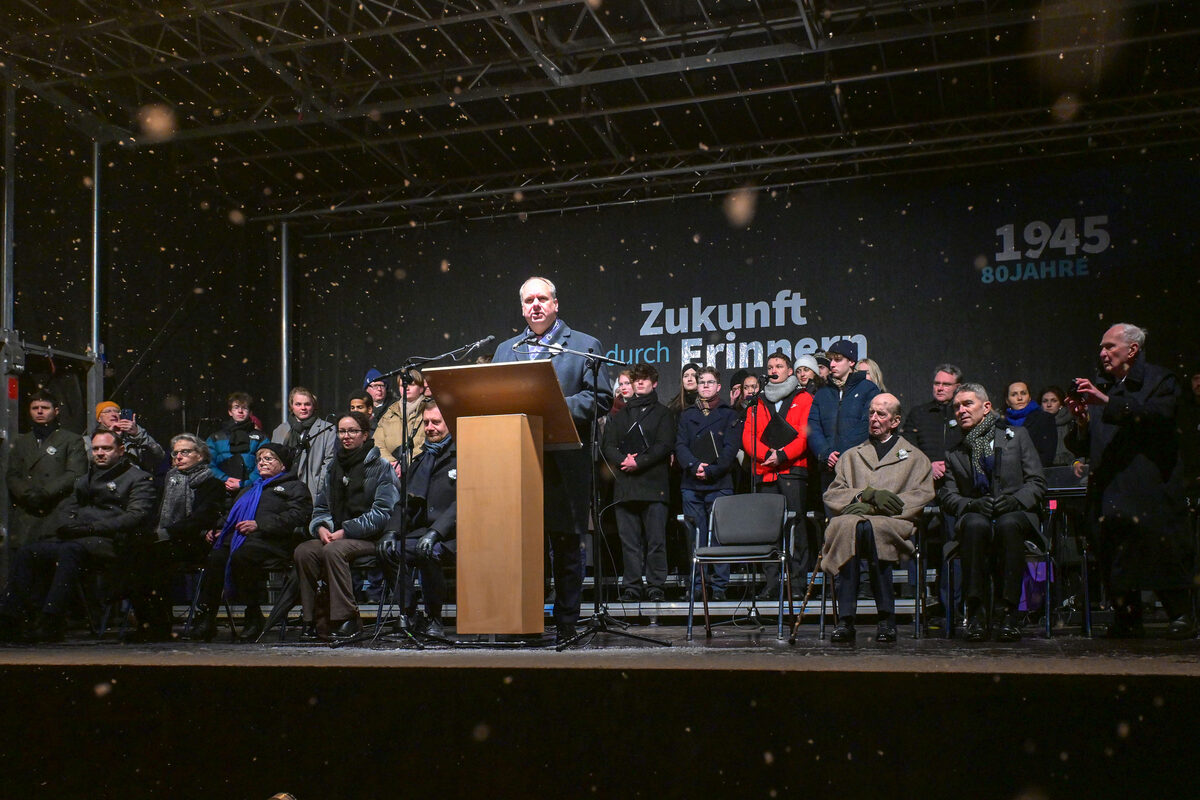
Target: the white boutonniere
(902, 454)
(112, 487)
(278, 490)
(345, 480)
(51, 450)
(453, 474)
(174, 479)
(1010, 433)
(953, 423)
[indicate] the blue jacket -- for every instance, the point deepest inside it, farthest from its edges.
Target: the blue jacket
(838, 420)
(726, 429)
(218, 448)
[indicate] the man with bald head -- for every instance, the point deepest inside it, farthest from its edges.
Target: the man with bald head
(567, 473)
(1125, 422)
(879, 489)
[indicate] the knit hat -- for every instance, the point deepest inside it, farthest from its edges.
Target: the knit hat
(372, 376)
(844, 347)
(281, 451)
(822, 359)
(105, 405)
(690, 365)
(807, 361)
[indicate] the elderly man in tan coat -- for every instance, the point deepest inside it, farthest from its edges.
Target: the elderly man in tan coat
(878, 492)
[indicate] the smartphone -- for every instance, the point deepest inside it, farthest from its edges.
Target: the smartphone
(126, 413)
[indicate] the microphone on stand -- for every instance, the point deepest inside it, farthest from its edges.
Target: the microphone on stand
(483, 341)
(527, 341)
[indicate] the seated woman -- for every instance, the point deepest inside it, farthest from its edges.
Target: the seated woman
(1021, 412)
(261, 527)
(351, 510)
(191, 505)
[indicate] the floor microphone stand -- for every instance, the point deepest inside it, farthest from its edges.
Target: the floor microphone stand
(400, 582)
(601, 620)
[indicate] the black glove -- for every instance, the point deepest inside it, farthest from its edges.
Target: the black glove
(980, 505)
(425, 545)
(1005, 504)
(866, 509)
(75, 530)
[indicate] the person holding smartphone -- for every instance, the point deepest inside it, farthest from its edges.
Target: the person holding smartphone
(139, 445)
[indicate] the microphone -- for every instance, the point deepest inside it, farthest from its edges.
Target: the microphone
(483, 341)
(528, 340)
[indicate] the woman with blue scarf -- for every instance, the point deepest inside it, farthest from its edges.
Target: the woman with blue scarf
(1022, 412)
(267, 520)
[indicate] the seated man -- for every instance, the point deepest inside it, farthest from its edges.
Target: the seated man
(879, 490)
(432, 514)
(994, 487)
(111, 506)
(355, 500)
(637, 444)
(139, 446)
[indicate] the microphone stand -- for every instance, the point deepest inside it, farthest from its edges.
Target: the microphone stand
(400, 581)
(601, 620)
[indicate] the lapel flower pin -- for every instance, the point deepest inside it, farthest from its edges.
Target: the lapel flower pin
(51, 450)
(901, 454)
(112, 487)
(453, 474)
(1010, 433)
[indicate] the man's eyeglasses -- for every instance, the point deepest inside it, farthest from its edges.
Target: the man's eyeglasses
(706, 383)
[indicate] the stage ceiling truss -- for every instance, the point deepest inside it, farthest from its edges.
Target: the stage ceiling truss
(346, 115)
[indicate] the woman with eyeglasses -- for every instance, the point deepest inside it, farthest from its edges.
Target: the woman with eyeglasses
(351, 510)
(266, 521)
(191, 505)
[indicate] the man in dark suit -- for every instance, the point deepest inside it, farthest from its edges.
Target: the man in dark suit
(42, 468)
(994, 486)
(567, 473)
(432, 520)
(111, 506)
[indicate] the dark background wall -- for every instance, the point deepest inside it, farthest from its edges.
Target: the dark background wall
(908, 265)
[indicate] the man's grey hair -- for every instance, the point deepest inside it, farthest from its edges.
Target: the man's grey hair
(1133, 334)
(547, 281)
(975, 389)
(950, 369)
(196, 442)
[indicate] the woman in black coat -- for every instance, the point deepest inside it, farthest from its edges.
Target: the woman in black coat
(1022, 412)
(264, 526)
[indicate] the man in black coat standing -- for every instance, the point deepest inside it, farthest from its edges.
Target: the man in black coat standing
(567, 473)
(432, 522)
(637, 443)
(1125, 422)
(110, 509)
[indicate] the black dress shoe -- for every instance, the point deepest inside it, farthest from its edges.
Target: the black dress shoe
(885, 632)
(976, 630)
(436, 628)
(1182, 627)
(769, 592)
(1008, 630)
(844, 633)
(252, 625)
(351, 627)
(204, 626)
(655, 594)
(631, 594)
(564, 634)
(309, 633)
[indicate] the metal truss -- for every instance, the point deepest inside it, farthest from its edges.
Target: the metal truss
(344, 114)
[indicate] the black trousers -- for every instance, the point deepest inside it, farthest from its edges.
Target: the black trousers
(794, 489)
(44, 574)
(433, 578)
(643, 529)
(247, 568)
(846, 581)
(993, 549)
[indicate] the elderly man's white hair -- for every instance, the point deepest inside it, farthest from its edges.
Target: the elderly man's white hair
(1132, 334)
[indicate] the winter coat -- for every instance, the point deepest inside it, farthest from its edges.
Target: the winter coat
(1135, 486)
(1017, 470)
(380, 485)
(389, 433)
(838, 419)
(933, 428)
(438, 509)
(116, 503)
(284, 511)
(219, 452)
(39, 478)
(758, 416)
(649, 482)
(726, 430)
(311, 461)
(904, 470)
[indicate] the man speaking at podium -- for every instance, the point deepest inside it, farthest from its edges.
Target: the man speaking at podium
(567, 475)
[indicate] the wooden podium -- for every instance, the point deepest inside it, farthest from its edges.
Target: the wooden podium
(502, 416)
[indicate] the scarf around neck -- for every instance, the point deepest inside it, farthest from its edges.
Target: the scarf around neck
(244, 508)
(777, 391)
(979, 438)
(179, 494)
(239, 434)
(1018, 417)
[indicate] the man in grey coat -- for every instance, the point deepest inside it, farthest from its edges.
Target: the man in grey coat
(567, 475)
(995, 488)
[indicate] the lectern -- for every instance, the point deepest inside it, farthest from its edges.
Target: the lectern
(502, 416)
